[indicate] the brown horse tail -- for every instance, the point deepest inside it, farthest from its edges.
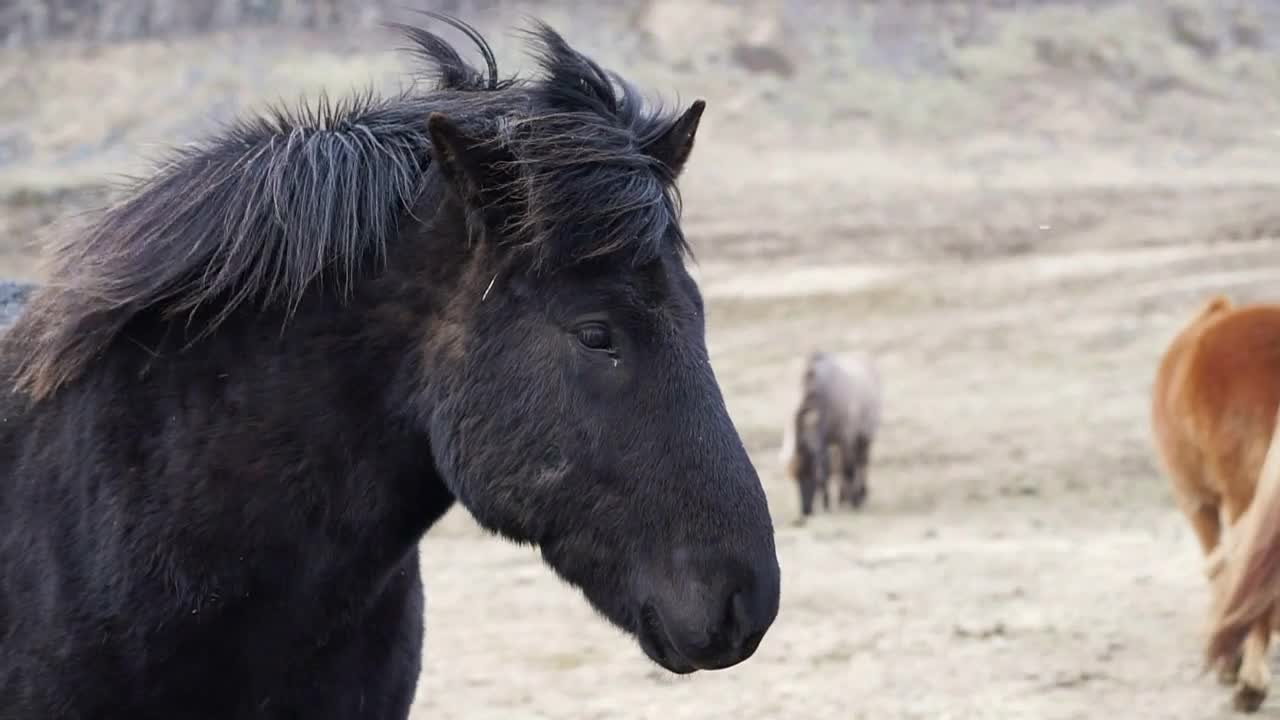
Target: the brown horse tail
(1252, 565)
(1213, 306)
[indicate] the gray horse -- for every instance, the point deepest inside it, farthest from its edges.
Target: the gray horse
(839, 410)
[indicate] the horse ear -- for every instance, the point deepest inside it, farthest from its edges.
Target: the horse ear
(672, 147)
(464, 161)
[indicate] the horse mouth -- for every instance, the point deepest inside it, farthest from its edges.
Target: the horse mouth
(655, 643)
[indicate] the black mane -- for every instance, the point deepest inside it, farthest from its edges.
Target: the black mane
(280, 203)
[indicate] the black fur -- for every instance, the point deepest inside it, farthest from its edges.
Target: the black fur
(248, 390)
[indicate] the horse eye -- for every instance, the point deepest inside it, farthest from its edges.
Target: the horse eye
(595, 336)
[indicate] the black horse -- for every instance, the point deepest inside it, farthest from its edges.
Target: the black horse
(248, 390)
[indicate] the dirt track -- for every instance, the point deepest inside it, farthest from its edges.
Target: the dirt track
(1014, 225)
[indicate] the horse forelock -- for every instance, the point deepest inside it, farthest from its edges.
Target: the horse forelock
(583, 182)
(278, 203)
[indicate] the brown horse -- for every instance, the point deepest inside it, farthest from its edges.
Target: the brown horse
(1213, 414)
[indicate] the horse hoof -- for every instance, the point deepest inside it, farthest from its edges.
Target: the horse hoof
(1249, 699)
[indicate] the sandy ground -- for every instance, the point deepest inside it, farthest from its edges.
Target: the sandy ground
(1019, 557)
(1017, 273)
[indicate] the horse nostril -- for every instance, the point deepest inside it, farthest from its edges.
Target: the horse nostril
(725, 606)
(739, 620)
(741, 631)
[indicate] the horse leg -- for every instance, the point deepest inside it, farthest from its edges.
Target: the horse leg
(802, 459)
(811, 445)
(847, 478)
(824, 482)
(846, 485)
(821, 469)
(857, 476)
(1206, 523)
(1188, 469)
(1205, 517)
(1255, 676)
(805, 479)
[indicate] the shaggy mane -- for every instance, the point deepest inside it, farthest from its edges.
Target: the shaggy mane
(276, 205)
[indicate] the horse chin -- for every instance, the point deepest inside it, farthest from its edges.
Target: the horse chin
(644, 624)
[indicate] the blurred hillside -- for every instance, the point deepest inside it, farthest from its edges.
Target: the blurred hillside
(91, 89)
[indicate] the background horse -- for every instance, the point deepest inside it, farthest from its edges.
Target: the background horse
(1213, 413)
(838, 413)
(249, 389)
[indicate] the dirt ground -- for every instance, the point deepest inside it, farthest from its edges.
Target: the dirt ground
(1019, 556)
(1016, 273)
